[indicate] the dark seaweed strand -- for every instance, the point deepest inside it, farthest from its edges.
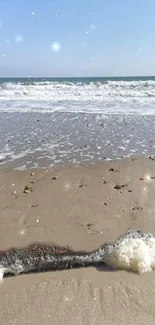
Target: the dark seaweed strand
(43, 257)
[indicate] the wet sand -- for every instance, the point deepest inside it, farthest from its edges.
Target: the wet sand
(48, 140)
(81, 208)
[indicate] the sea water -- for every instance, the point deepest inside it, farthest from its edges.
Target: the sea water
(88, 95)
(47, 122)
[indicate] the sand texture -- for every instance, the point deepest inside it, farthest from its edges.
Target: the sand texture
(82, 207)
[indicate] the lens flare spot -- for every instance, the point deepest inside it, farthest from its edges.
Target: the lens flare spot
(56, 47)
(19, 39)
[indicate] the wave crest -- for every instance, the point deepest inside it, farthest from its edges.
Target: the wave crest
(108, 97)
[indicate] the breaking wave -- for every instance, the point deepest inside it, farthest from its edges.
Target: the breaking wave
(135, 97)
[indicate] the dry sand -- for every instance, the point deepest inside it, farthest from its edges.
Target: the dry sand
(81, 208)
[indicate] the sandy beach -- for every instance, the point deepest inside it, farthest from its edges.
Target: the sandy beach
(77, 163)
(77, 206)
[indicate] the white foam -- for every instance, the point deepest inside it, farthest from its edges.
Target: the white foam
(111, 97)
(2, 271)
(134, 254)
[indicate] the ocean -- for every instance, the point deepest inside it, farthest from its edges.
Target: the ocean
(51, 122)
(133, 96)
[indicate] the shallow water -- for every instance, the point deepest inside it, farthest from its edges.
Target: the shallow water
(47, 140)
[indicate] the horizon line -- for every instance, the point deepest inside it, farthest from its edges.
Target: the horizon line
(82, 77)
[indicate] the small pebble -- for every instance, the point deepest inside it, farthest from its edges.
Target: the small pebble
(118, 187)
(33, 174)
(89, 225)
(27, 190)
(113, 170)
(54, 177)
(142, 178)
(151, 158)
(137, 208)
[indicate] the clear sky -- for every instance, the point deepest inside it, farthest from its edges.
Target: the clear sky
(77, 37)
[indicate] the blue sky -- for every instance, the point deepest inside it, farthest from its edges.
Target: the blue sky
(93, 37)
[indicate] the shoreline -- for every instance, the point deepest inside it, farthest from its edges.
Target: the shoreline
(37, 140)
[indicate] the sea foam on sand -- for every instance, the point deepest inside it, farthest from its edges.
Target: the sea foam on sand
(135, 254)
